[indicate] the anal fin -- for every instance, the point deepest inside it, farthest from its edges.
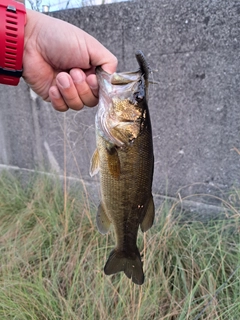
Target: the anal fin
(103, 223)
(149, 216)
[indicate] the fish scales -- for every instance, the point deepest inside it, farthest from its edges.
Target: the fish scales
(131, 191)
(124, 159)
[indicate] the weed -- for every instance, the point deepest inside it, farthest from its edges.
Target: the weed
(52, 258)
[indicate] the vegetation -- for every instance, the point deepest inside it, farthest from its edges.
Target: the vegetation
(52, 258)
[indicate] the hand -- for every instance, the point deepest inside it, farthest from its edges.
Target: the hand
(59, 62)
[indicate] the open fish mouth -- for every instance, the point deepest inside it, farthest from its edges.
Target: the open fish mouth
(122, 83)
(119, 89)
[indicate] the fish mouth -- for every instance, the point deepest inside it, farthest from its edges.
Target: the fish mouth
(114, 88)
(123, 79)
(117, 83)
(122, 85)
(129, 86)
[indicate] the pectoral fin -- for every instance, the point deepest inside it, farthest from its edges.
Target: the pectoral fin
(149, 216)
(113, 162)
(94, 163)
(103, 223)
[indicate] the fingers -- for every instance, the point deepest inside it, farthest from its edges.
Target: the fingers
(56, 99)
(93, 84)
(72, 91)
(87, 93)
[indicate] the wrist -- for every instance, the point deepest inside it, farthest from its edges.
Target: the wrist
(32, 18)
(13, 20)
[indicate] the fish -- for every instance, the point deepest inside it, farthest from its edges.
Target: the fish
(125, 161)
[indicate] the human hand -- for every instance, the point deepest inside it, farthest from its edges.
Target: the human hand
(59, 62)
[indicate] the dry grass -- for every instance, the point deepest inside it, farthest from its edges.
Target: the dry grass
(52, 258)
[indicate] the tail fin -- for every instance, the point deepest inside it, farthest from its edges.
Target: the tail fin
(131, 265)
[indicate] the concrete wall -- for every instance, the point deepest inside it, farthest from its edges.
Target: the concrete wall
(195, 108)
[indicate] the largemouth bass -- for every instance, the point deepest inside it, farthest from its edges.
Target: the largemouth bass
(124, 159)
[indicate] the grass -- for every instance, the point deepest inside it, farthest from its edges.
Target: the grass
(52, 258)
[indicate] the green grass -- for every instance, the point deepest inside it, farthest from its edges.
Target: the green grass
(52, 258)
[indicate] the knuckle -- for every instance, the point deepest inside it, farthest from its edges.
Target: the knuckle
(60, 107)
(74, 103)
